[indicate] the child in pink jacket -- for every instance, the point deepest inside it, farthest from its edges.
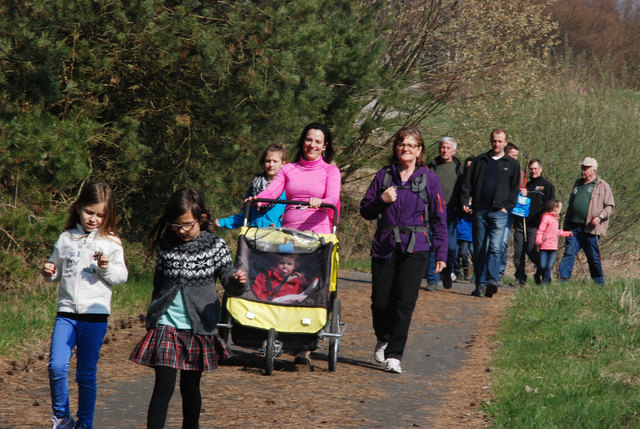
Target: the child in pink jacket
(547, 237)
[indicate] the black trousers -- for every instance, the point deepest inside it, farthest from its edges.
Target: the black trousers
(396, 284)
(163, 390)
(523, 248)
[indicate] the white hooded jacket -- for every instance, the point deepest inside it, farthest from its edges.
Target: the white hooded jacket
(85, 288)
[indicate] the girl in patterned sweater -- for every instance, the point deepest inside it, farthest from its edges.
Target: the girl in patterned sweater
(185, 309)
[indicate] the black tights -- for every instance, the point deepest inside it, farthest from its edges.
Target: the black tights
(163, 390)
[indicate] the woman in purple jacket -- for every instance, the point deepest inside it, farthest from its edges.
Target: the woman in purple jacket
(400, 248)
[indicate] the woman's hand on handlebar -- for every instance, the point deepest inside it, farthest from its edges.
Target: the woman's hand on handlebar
(314, 203)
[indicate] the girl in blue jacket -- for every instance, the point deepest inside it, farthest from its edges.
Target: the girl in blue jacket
(272, 159)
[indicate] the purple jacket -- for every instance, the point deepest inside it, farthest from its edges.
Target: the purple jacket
(407, 210)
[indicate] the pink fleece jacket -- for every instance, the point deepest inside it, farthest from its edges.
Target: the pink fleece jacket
(548, 232)
(302, 180)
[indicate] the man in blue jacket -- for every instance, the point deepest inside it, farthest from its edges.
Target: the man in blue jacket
(491, 183)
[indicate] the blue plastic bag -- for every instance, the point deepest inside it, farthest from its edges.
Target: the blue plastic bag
(522, 206)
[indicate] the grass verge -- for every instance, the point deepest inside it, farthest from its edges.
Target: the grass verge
(567, 357)
(27, 317)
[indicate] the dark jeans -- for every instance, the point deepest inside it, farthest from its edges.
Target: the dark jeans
(523, 248)
(591, 247)
(463, 258)
(162, 392)
(396, 284)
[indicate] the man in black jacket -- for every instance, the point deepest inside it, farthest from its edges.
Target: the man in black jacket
(491, 183)
(540, 191)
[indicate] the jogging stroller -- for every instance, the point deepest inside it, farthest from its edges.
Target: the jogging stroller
(291, 300)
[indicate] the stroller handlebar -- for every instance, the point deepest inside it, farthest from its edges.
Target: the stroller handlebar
(290, 202)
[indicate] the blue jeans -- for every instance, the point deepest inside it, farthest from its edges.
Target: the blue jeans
(87, 337)
(462, 257)
(547, 258)
(488, 235)
(589, 244)
(452, 251)
(505, 246)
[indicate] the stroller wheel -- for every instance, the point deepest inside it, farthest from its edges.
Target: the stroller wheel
(334, 329)
(270, 351)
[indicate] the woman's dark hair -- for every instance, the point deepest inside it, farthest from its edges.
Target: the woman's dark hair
(275, 147)
(94, 193)
(328, 153)
(399, 138)
(186, 200)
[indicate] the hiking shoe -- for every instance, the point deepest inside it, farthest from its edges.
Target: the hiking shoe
(477, 293)
(518, 283)
(378, 352)
(392, 365)
(61, 423)
(492, 289)
(537, 278)
(431, 287)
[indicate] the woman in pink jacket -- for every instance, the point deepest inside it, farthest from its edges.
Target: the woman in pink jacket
(312, 178)
(547, 237)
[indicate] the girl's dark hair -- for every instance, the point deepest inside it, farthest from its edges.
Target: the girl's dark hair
(94, 193)
(399, 138)
(275, 147)
(181, 201)
(552, 205)
(328, 153)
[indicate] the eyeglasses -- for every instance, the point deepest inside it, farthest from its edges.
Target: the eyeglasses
(187, 227)
(407, 145)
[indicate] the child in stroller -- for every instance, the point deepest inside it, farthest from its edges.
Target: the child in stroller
(282, 283)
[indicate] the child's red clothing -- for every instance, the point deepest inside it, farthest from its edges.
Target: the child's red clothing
(270, 284)
(548, 232)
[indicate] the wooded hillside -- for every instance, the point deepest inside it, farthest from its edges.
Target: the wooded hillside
(155, 95)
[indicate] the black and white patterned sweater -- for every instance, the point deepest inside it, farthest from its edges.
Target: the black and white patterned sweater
(192, 266)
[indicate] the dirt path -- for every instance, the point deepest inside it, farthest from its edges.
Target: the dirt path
(445, 378)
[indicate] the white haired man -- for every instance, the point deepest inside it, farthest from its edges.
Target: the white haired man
(590, 208)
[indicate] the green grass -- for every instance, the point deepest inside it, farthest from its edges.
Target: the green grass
(363, 265)
(28, 316)
(568, 358)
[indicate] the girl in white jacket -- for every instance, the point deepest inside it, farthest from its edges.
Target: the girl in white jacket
(88, 261)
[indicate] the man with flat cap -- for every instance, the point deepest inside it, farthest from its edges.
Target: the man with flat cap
(590, 208)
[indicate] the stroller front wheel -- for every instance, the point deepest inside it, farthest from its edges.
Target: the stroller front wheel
(270, 351)
(334, 329)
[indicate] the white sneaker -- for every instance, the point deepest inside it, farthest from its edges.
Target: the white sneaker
(392, 365)
(65, 423)
(378, 352)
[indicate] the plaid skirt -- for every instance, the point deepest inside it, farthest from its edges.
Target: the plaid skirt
(180, 349)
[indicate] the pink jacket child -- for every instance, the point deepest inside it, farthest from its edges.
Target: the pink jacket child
(549, 231)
